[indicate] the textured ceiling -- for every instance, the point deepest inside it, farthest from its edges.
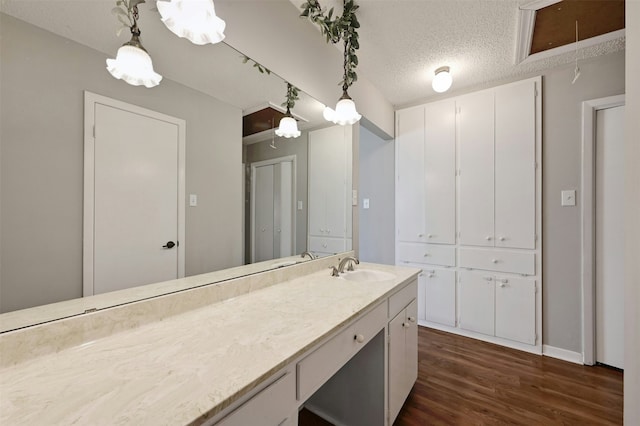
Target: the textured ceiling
(402, 43)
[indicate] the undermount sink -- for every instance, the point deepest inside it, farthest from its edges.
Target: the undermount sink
(362, 275)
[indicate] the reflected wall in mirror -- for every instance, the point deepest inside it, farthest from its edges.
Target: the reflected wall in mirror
(49, 59)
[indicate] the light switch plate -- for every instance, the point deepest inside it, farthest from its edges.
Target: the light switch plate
(354, 197)
(365, 203)
(299, 204)
(193, 200)
(569, 198)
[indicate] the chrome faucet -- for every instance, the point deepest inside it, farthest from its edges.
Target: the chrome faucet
(350, 260)
(308, 253)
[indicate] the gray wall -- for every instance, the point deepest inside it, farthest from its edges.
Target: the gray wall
(43, 77)
(377, 183)
(561, 135)
(262, 151)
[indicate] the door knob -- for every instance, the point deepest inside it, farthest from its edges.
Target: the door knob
(169, 245)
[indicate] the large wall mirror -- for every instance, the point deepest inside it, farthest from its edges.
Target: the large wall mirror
(252, 201)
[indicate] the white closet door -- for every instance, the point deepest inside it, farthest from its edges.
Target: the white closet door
(516, 309)
(440, 172)
(477, 302)
(441, 296)
(475, 138)
(411, 185)
(515, 156)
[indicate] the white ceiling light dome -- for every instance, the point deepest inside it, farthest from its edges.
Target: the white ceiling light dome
(442, 80)
(195, 20)
(133, 65)
(288, 128)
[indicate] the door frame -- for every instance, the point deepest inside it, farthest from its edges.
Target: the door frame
(294, 192)
(90, 101)
(587, 210)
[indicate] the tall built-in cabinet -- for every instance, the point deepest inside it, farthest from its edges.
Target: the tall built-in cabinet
(330, 210)
(468, 212)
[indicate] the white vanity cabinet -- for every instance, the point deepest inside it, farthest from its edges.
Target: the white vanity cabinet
(498, 305)
(497, 167)
(411, 191)
(403, 354)
(469, 200)
(426, 173)
(329, 172)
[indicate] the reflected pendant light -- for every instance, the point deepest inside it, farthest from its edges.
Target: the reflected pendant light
(132, 63)
(195, 20)
(288, 127)
(442, 80)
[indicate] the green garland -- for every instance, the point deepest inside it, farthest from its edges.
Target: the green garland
(292, 97)
(335, 29)
(126, 11)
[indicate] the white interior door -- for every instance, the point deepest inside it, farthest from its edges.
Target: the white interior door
(264, 214)
(133, 189)
(609, 220)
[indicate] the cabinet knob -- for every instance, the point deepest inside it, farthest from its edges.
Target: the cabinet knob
(328, 231)
(406, 325)
(420, 235)
(502, 238)
(430, 236)
(494, 260)
(321, 229)
(412, 319)
(324, 245)
(488, 278)
(426, 255)
(503, 285)
(488, 238)
(504, 281)
(358, 338)
(431, 275)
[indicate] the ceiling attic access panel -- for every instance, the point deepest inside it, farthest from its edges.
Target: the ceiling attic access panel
(265, 119)
(555, 25)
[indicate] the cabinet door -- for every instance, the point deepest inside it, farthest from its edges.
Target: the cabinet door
(440, 172)
(396, 364)
(475, 138)
(477, 307)
(410, 184)
(516, 309)
(441, 296)
(411, 348)
(515, 174)
(422, 295)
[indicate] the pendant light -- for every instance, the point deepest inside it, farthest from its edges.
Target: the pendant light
(345, 112)
(195, 20)
(442, 80)
(288, 127)
(132, 63)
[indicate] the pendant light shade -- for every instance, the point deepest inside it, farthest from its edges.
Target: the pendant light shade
(194, 20)
(346, 111)
(288, 128)
(329, 114)
(133, 65)
(442, 80)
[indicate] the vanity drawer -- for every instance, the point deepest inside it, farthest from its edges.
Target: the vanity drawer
(426, 253)
(402, 298)
(323, 363)
(498, 260)
(327, 245)
(271, 406)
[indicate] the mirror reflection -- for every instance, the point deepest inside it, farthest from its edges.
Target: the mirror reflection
(247, 196)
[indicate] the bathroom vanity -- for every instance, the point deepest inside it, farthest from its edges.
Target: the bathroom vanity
(252, 350)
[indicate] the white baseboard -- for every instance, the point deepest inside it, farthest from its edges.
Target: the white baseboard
(563, 354)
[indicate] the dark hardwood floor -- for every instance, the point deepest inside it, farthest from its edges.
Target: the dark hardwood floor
(464, 381)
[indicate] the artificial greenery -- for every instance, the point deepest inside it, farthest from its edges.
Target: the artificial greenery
(127, 13)
(259, 67)
(292, 96)
(336, 29)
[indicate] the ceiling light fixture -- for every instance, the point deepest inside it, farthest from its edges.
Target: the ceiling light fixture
(195, 20)
(288, 127)
(442, 80)
(132, 63)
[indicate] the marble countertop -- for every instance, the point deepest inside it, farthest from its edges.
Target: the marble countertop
(188, 367)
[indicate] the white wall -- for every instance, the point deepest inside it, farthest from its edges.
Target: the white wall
(42, 82)
(376, 160)
(632, 217)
